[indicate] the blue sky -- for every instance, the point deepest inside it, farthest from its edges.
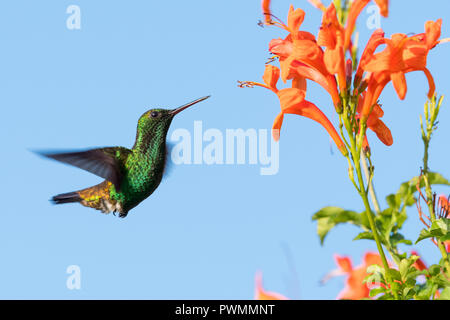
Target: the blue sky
(208, 228)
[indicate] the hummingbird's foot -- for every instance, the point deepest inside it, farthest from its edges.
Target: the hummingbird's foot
(123, 214)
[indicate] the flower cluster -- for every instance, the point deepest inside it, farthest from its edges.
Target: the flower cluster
(354, 83)
(303, 56)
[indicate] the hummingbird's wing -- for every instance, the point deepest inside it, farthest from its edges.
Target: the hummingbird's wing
(107, 163)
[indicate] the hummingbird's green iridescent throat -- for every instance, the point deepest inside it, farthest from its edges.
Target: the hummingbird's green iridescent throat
(131, 175)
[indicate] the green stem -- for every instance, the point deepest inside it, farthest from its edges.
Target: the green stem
(429, 194)
(371, 219)
(372, 193)
(355, 150)
(392, 251)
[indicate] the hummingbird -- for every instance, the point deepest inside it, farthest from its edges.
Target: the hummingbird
(131, 175)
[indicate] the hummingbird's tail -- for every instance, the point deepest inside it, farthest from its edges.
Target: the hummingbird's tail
(97, 197)
(67, 198)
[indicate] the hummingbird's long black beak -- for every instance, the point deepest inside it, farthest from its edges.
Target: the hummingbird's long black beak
(187, 105)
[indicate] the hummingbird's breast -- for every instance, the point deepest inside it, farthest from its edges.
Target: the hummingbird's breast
(144, 173)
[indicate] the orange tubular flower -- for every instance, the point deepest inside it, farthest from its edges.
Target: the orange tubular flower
(331, 36)
(391, 61)
(300, 55)
(375, 124)
(292, 101)
(355, 288)
(402, 55)
(266, 11)
(318, 4)
(444, 203)
(375, 40)
(261, 294)
(355, 10)
(356, 7)
(381, 130)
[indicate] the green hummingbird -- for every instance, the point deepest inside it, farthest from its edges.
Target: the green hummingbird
(131, 175)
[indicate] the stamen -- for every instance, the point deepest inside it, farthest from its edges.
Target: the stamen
(245, 84)
(251, 84)
(271, 59)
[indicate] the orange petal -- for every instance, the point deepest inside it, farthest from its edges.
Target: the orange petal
(318, 4)
(444, 202)
(309, 53)
(299, 82)
(432, 86)
(266, 11)
(334, 60)
(271, 76)
(309, 110)
(295, 19)
(261, 294)
(280, 47)
(372, 258)
(377, 82)
(356, 7)
(290, 97)
(344, 263)
(276, 128)
(399, 82)
(377, 111)
(376, 39)
(384, 7)
(327, 36)
(433, 32)
(286, 68)
(415, 54)
(312, 74)
(382, 131)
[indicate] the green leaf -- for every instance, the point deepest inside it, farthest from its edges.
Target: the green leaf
(408, 293)
(437, 178)
(394, 274)
(397, 238)
(403, 268)
(440, 280)
(376, 291)
(367, 235)
(396, 287)
(424, 234)
(434, 270)
(410, 283)
(391, 201)
(433, 178)
(328, 217)
(445, 294)
(425, 291)
(438, 229)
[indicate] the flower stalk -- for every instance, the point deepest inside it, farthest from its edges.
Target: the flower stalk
(431, 111)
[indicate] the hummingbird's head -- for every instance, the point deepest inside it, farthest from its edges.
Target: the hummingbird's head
(153, 116)
(156, 121)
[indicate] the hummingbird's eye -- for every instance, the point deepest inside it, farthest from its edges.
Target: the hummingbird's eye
(154, 114)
